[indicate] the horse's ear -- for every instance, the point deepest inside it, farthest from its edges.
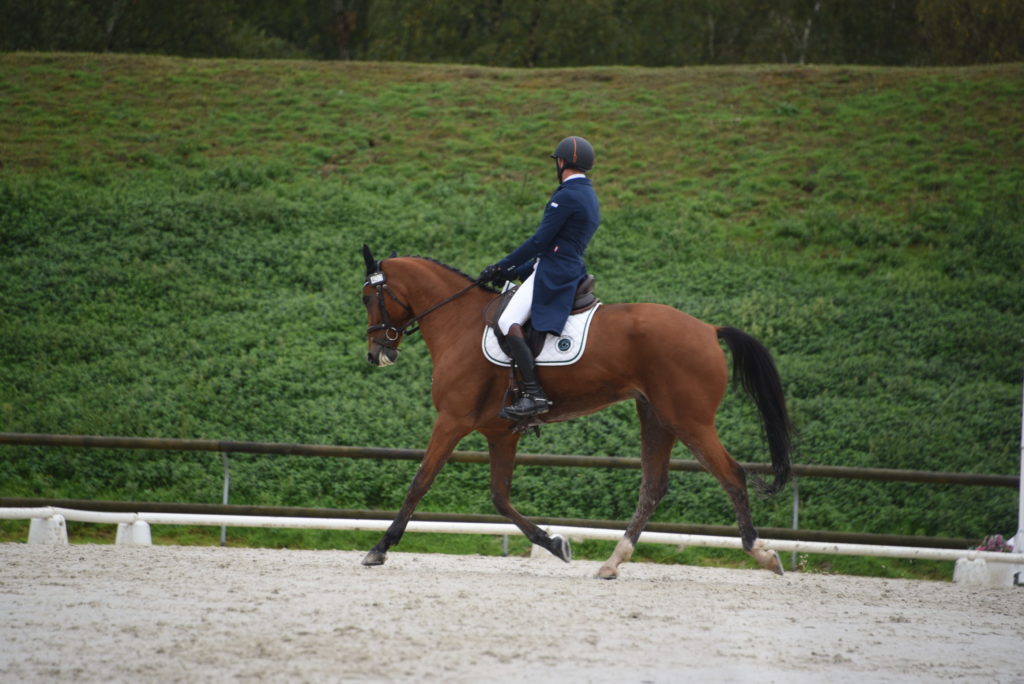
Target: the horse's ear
(371, 263)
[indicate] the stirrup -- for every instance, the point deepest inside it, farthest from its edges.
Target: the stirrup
(527, 405)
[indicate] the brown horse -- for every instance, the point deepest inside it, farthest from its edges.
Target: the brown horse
(668, 362)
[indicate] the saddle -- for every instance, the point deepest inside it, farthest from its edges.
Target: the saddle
(585, 299)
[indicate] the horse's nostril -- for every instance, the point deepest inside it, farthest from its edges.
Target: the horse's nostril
(369, 359)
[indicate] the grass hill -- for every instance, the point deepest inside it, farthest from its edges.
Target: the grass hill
(181, 258)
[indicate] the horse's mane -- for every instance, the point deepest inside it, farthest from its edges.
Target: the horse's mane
(456, 271)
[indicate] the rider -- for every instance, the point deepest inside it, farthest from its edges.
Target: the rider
(550, 263)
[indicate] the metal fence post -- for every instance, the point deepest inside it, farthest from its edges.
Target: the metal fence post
(227, 489)
(796, 516)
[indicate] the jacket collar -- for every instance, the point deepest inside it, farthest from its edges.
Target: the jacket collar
(577, 178)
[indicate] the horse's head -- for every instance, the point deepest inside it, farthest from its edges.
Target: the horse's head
(386, 314)
(410, 289)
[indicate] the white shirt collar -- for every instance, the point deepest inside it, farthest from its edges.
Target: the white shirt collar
(574, 176)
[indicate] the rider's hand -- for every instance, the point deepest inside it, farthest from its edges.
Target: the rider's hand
(492, 274)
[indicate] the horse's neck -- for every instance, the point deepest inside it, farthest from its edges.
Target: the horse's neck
(425, 283)
(429, 285)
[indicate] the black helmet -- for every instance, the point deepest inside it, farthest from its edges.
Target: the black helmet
(576, 152)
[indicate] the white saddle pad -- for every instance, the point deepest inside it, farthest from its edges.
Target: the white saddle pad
(559, 350)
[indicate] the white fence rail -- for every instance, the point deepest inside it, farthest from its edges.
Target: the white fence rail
(133, 528)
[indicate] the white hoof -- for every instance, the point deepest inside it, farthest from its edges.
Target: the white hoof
(767, 558)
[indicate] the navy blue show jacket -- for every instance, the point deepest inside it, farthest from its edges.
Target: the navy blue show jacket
(570, 219)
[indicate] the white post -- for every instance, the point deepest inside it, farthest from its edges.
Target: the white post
(51, 530)
(134, 534)
(1018, 540)
(980, 573)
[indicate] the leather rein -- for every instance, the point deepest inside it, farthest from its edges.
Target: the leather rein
(392, 332)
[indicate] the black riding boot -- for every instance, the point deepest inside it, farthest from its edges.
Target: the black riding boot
(534, 401)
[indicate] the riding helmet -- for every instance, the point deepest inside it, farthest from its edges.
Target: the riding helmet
(576, 152)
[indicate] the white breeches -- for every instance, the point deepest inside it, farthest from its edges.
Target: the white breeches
(519, 307)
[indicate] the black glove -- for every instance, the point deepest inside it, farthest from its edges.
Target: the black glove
(493, 274)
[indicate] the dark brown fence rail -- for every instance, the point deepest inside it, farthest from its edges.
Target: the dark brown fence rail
(227, 447)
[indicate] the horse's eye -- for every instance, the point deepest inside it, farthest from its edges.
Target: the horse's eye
(366, 300)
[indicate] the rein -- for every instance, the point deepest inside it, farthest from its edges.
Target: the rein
(392, 332)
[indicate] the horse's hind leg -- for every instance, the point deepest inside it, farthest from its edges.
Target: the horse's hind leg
(705, 445)
(656, 449)
(503, 460)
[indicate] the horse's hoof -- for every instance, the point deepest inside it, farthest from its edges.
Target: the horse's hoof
(375, 558)
(560, 547)
(767, 558)
(607, 572)
(775, 565)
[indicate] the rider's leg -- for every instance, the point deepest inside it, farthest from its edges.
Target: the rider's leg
(518, 309)
(533, 401)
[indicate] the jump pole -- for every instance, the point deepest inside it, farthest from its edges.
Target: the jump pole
(498, 529)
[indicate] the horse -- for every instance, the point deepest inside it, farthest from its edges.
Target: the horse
(667, 361)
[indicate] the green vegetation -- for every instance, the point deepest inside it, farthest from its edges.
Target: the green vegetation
(181, 258)
(531, 33)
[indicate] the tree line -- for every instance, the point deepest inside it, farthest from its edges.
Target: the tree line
(531, 33)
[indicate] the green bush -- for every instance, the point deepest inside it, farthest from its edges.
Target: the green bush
(216, 294)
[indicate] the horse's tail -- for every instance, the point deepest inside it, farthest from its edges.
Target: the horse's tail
(753, 367)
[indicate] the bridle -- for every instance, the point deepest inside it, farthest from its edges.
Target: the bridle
(393, 333)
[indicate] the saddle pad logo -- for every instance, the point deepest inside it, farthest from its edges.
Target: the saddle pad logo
(564, 344)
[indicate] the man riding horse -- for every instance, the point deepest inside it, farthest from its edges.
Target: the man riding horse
(677, 389)
(550, 264)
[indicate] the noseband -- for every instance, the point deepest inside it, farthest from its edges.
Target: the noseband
(393, 333)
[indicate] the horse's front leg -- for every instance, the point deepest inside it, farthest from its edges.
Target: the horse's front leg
(503, 461)
(443, 439)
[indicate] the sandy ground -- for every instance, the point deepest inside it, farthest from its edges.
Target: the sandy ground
(86, 613)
